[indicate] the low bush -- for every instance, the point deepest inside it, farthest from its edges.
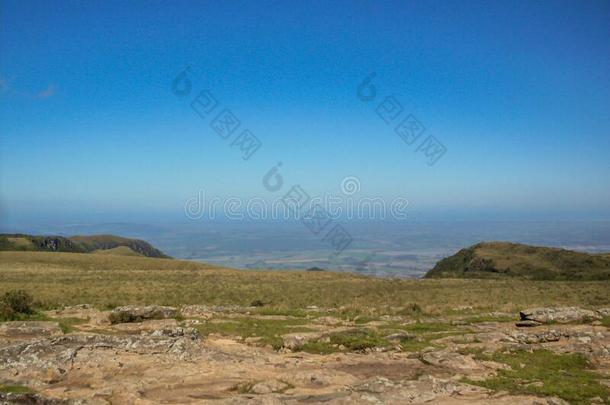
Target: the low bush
(15, 304)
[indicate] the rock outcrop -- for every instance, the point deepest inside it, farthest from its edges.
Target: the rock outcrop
(559, 315)
(128, 314)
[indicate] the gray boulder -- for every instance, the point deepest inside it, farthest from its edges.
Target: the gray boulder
(559, 315)
(138, 314)
(400, 336)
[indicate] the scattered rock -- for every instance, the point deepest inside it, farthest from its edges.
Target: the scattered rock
(197, 311)
(329, 321)
(375, 385)
(542, 337)
(559, 315)
(604, 311)
(449, 359)
(164, 361)
(177, 332)
(267, 387)
(29, 329)
(58, 352)
(527, 324)
(145, 327)
(462, 308)
(138, 314)
(295, 341)
(400, 336)
(35, 399)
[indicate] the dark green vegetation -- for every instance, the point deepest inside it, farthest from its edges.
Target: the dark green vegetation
(504, 260)
(15, 304)
(15, 389)
(542, 372)
(79, 244)
(18, 305)
(353, 340)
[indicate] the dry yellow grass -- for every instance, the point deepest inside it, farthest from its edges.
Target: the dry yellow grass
(119, 250)
(106, 280)
(21, 242)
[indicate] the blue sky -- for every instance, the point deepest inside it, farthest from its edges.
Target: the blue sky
(518, 92)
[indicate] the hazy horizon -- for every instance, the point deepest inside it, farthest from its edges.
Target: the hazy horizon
(380, 248)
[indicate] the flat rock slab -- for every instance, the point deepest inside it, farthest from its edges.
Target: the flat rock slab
(527, 324)
(138, 314)
(559, 315)
(29, 329)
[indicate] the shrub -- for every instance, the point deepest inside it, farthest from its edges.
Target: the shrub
(6, 312)
(411, 309)
(123, 317)
(18, 301)
(257, 303)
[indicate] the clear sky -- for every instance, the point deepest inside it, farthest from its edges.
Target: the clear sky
(517, 91)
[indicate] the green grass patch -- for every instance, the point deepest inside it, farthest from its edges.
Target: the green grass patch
(319, 347)
(416, 345)
(420, 327)
(411, 309)
(363, 319)
(269, 330)
(490, 318)
(358, 340)
(15, 389)
(35, 316)
(293, 312)
(606, 321)
(426, 333)
(545, 373)
(427, 340)
(347, 341)
(67, 324)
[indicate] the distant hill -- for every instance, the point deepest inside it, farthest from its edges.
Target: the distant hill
(503, 259)
(108, 244)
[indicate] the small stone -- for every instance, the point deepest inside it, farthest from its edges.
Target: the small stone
(527, 324)
(267, 387)
(400, 337)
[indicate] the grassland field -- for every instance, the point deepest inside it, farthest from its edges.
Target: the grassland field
(105, 280)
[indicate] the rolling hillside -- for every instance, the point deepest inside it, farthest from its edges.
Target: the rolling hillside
(110, 244)
(503, 260)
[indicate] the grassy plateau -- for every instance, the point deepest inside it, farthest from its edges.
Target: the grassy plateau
(106, 280)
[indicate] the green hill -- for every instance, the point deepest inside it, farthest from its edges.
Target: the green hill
(503, 259)
(79, 244)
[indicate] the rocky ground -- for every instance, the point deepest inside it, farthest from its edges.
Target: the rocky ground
(200, 354)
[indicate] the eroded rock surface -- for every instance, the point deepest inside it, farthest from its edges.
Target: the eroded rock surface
(158, 361)
(559, 315)
(138, 314)
(30, 329)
